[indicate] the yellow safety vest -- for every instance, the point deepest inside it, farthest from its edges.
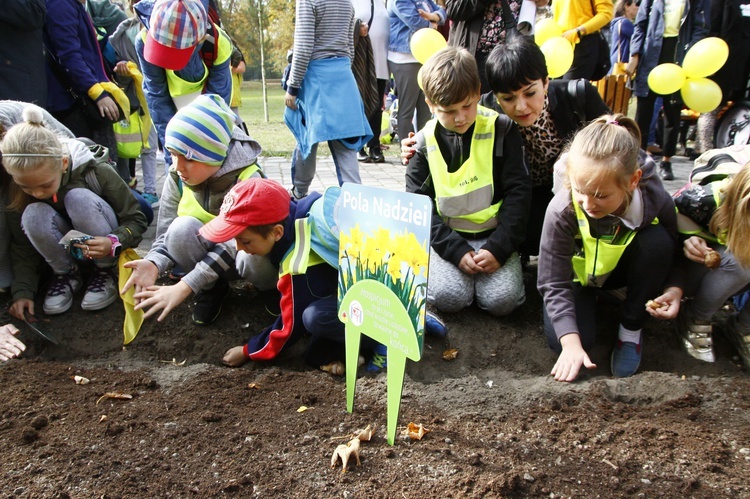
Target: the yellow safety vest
(464, 197)
(190, 207)
(236, 100)
(599, 257)
(301, 255)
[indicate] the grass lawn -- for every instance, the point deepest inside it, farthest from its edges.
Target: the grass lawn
(273, 136)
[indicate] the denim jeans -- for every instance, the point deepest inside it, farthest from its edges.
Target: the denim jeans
(45, 227)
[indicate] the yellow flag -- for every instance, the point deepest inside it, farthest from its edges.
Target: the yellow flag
(133, 318)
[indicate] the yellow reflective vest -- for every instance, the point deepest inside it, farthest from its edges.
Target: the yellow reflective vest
(301, 255)
(464, 197)
(190, 207)
(598, 258)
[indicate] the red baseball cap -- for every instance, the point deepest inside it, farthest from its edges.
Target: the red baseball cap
(176, 27)
(252, 202)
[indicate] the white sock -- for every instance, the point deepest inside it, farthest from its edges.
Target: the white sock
(629, 335)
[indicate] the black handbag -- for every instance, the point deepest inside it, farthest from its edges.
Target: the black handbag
(603, 62)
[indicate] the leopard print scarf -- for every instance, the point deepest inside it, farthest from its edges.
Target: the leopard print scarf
(543, 146)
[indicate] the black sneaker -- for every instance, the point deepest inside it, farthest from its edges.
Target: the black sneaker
(362, 156)
(208, 303)
(376, 155)
(666, 170)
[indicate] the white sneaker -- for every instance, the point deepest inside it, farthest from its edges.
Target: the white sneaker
(101, 292)
(60, 293)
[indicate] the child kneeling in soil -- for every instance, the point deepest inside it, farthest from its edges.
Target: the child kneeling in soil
(210, 155)
(612, 226)
(63, 186)
(264, 221)
(469, 160)
(714, 215)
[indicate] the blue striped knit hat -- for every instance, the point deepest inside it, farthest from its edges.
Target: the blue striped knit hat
(201, 131)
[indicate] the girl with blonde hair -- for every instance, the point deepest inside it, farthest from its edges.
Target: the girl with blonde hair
(611, 226)
(60, 186)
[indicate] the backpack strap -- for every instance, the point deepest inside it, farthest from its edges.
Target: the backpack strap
(210, 47)
(503, 124)
(577, 94)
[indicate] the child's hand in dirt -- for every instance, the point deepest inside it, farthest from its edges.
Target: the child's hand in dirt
(468, 265)
(669, 304)
(235, 357)
(10, 346)
(144, 276)
(164, 298)
(695, 249)
(407, 148)
(572, 357)
(20, 307)
(486, 261)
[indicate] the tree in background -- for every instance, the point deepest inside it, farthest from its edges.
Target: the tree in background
(246, 20)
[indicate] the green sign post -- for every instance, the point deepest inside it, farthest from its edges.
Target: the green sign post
(383, 260)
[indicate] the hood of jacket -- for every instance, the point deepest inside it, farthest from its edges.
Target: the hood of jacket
(243, 151)
(80, 154)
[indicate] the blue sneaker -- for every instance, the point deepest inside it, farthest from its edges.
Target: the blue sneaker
(434, 324)
(626, 357)
(151, 199)
(379, 360)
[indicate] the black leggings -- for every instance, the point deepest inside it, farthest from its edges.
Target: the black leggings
(672, 107)
(643, 269)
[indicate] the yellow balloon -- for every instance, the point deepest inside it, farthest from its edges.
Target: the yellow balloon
(705, 57)
(701, 94)
(666, 79)
(558, 53)
(425, 42)
(546, 29)
(419, 78)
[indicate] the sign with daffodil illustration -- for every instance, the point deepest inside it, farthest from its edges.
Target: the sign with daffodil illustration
(383, 260)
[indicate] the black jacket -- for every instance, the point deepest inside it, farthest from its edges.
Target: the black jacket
(22, 68)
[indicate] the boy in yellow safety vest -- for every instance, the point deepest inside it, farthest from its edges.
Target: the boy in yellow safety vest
(211, 154)
(183, 54)
(470, 161)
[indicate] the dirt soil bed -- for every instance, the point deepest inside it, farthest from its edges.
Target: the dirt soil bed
(499, 426)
